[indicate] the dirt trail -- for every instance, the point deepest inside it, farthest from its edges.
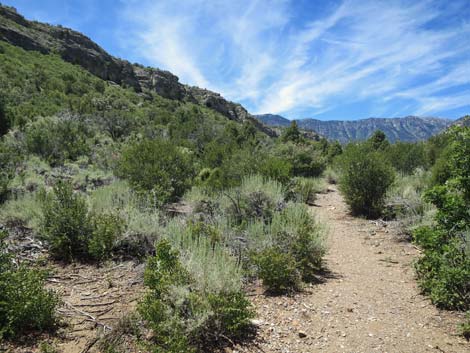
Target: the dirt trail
(370, 303)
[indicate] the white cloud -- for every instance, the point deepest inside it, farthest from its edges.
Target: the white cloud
(276, 60)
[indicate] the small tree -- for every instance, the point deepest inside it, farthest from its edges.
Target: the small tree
(66, 224)
(292, 133)
(378, 140)
(365, 178)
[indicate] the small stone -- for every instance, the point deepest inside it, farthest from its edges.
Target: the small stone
(302, 334)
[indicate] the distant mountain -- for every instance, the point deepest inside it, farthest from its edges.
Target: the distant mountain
(463, 121)
(410, 128)
(273, 120)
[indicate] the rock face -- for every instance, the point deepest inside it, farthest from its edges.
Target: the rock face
(410, 128)
(77, 48)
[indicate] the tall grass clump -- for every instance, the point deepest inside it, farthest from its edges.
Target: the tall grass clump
(405, 202)
(195, 291)
(256, 198)
(305, 190)
(288, 250)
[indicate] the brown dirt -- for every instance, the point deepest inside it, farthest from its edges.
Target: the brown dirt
(369, 302)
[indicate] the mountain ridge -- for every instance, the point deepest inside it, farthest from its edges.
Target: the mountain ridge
(76, 48)
(409, 128)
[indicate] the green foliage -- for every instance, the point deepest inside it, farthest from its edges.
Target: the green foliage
(276, 168)
(305, 190)
(183, 314)
(405, 201)
(365, 179)
(307, 160)
(66, 224)
(9, 159)
(256, 198)
(278, 270)
(157, 166)
(407, 157)
(4, 122)
(292, 133)
(444, 268)
(57, 139)
(107, 229)
(378, 141)
(25, 305)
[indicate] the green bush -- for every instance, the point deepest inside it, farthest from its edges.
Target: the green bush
(107, 229)
(276, 168)
(444, 269)
(9, 159)
(365, 179)
(278, 270)
(57, 139)
(305, 190)
(25, 305)
(297, 232)
(66, 224)
(407, 157)
(158, 166)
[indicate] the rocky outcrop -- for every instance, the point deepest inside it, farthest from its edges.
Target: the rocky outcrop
(77, 48)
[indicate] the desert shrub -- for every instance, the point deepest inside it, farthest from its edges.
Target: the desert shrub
(256, 198)
(405, 202)
(183, 311)
(298, 233)
(444, 269)
(306, 159)
(57, 139)
(294, 239)
(158, 166)
(407, 157)
(25, 305)
(304, 190)
(107, 229)
(276, 168)
(278, 270)
(365, 179)
(66, 223)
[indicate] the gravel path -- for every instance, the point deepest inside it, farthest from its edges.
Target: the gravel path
(368, 303)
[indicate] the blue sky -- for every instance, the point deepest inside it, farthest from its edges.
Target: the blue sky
(344, 59)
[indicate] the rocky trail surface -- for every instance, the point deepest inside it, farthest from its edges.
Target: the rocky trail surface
(368, 301)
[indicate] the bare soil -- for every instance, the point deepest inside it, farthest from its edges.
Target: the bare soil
(369, 300)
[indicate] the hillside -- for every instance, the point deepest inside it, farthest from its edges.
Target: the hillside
(410, 128)
(76, 48)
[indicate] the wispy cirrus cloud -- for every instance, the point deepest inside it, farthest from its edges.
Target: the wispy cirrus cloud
(293, 58)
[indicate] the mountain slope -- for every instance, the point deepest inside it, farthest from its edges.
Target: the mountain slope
(410, 128)
(76, 48)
